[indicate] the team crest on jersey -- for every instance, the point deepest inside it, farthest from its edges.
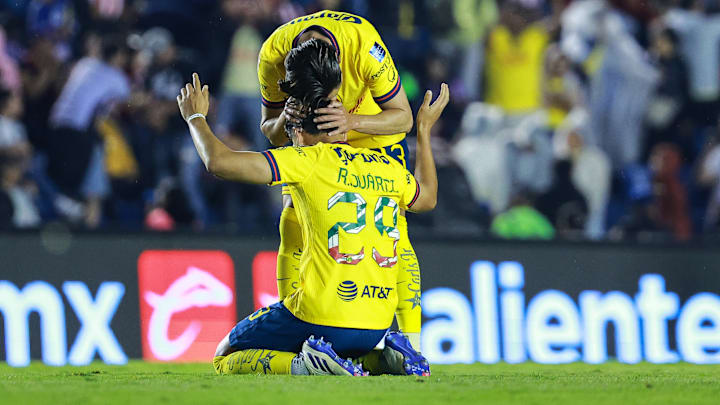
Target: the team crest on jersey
(378, 52)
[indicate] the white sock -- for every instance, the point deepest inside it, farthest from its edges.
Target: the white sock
(414, 339)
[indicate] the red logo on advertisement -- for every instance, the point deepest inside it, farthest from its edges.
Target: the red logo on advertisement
(265, 292)
(187, 303)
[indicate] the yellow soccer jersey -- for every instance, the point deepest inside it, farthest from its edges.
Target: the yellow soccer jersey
(369, 76)
(349, 199)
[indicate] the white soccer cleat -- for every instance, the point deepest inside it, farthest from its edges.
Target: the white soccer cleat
(321, 359)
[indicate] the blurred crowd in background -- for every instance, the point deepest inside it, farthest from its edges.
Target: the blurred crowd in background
(574, 119)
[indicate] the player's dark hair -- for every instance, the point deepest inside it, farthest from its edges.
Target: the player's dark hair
(312, 72)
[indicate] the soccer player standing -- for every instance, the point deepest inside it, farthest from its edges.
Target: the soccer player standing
(373, 110)
(347, 290)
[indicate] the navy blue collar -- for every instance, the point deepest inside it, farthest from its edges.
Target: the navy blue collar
(325, 32)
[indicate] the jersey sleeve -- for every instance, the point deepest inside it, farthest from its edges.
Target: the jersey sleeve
(292, 164)
(378, 69)
(268, 75)
(410, 191)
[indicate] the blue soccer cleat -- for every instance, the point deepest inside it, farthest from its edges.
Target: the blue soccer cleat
(402, 358)
(321, 359)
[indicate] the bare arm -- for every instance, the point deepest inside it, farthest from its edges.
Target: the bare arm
(273, 125)
(395, 117)
(425, 172)
(246, 167)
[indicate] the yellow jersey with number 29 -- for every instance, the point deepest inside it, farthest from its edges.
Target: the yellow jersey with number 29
(349, 200)
(369, 76)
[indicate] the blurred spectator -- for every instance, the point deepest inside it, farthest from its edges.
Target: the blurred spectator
(700, 45)
(481, 153)
(42, 76)
(438, 71)
(514, 54)
(239, 105)
(562, 88)
(473, 19)
(55, 20)
(170, 208)
(665, 112)
(13, 138)
(522, 221)
(15, 157)
(563, 204)
(9, 72)
(529, 155)
(620, 91)
(109, 9)
(709, 177)
(7, 210)
(75, 155)
(165, 75)
(17, 206)
(664, 209)
(591, 171)
(670, 194)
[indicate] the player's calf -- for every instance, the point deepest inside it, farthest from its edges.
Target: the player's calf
(321, 359)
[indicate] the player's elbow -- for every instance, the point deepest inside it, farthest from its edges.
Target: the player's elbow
(214, 165)
(424, 204)
(407, 121)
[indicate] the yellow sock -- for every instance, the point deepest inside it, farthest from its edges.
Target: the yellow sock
(374, 362)
(254, 361)
(291, 245)
(408, 312)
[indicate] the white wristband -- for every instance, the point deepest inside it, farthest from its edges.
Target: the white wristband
(196, 115)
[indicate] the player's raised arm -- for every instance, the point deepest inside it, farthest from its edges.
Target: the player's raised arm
(247, 167)
(425, 172)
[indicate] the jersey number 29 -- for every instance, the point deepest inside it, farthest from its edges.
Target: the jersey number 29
(359, 225)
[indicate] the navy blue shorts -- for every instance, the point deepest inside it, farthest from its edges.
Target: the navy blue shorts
(276, 328)
(398, 151)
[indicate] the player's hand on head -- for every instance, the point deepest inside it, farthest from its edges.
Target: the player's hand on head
(336, 118)
(293, 111)
(428, 114)
(194, 98)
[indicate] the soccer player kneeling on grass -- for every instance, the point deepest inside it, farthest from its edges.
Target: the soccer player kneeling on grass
(349, 198)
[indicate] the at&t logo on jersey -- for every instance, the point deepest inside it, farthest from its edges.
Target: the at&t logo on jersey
(374, 291)
(348, 291)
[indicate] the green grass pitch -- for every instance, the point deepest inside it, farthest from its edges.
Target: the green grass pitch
(144, 383)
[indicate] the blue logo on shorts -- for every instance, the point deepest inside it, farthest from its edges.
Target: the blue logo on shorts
(347, 290)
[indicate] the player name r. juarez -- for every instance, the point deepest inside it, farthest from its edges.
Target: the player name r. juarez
(366, 181)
